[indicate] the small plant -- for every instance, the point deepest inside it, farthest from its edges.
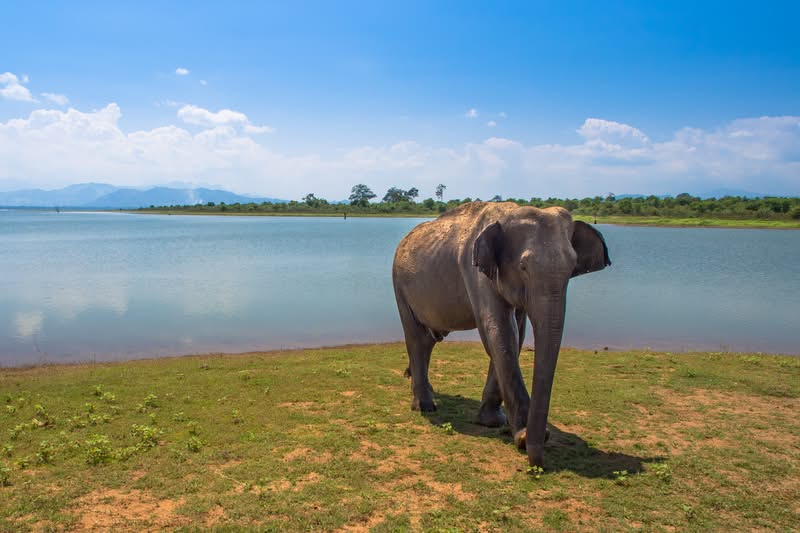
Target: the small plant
(343, 372)
(7, 450)
(42, 418)
(620, 477)
(5, 475)
(179, 417)
(10, 409)
(22, 463)
(535, 472)
(237, 417)
(152, 419)
(194, 444)
(45, 454)
(14, 432)
(89, 407)
(147, 435)
(448, 428)
(662, 471)
(689, 511)
(108, 397)
(690, 373)
(205, 366)
(98, 450)
(193, 427)
(97, 390)
(151, 401)
(245, 375)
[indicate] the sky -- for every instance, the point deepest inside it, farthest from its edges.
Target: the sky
(517, 99)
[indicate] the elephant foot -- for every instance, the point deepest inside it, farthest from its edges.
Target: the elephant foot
(425, 406)
(521, 439)
(491, 417)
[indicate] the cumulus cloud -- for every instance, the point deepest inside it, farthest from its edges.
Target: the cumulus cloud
(52, 148)
(203, 82)
(471, 113)
(197, 116)
(59, 99)
(180, 71)
(491, 123)
(12, 88)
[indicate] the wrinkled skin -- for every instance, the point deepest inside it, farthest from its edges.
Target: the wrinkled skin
(489, 266)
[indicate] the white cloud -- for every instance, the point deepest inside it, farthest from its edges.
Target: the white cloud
(52, 148)
(596, 128)
(11, 88)
(197, 116)
(471, 113)
(203, 82)
(29, 324)
(491, 123)
(59, 99)
(180, 71)
(502, 114)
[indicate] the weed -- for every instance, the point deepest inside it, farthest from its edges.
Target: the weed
(193, 427)
(179, 417)
(10, 409)
(152, 419)
(5, 475)
(98, 450)
(237, 417)
(42, 418)
(23, 462)
(7, 450)
(245, 375)
(535, 472)
(14, 432)
(194, 444)
(690, 373)
(662, 471)
(45, 454)
(89, 407)
(147, 435)
(97, 390)
(108, 397)
(689, 511)
(151, 401)
(343, 373)
(448, 428)
(620, 477)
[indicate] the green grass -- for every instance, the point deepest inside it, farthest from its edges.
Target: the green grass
(323, 439)
(693, 222)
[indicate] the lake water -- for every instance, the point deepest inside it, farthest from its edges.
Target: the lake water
(80, 286)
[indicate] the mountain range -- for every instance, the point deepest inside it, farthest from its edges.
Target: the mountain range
(101, 195)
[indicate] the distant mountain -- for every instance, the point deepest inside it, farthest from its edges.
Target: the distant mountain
(72, 196)
(99, 195)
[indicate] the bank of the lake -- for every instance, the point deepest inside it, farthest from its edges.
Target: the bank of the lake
(324, 439)
(754, 223)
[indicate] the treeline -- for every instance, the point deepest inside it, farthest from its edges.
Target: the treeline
(403, 202)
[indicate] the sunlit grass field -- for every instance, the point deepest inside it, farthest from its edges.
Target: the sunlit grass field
(324, 439)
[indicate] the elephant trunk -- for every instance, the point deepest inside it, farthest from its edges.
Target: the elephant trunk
(546, 314)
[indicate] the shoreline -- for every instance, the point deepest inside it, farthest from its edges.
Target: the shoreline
(277, 352)
(659, 222)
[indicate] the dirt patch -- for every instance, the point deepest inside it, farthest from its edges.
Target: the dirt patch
(215, 516)
(348, 393)
(307, 455)
(297, 405)
(113, 509)
(578, 512)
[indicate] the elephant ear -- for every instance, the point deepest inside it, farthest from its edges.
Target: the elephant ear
(487, 249)
(591, 248)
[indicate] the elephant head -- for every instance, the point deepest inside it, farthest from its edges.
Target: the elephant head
(529, 259)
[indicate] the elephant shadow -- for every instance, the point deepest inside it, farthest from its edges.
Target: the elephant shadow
(563, 451)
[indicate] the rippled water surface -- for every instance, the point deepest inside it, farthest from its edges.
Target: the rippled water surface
(80, 286)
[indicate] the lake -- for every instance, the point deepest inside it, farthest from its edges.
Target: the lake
(80, 286)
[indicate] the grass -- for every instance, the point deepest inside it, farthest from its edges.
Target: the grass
(754, 223)
(324, 439)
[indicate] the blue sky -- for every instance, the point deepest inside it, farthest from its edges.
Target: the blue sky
(519, 99)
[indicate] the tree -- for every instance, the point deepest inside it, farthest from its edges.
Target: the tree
(395, 195)
(361, 195)
(312, 201)
(412, 193)
(440, 191)
(496, 198)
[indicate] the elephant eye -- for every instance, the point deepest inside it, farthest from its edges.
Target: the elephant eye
(522, 265)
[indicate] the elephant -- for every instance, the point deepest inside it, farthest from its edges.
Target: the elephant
(491, 265)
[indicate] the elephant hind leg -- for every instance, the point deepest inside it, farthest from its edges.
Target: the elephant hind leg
(419, 345)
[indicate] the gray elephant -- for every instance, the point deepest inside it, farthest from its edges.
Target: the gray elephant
(489, 266)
